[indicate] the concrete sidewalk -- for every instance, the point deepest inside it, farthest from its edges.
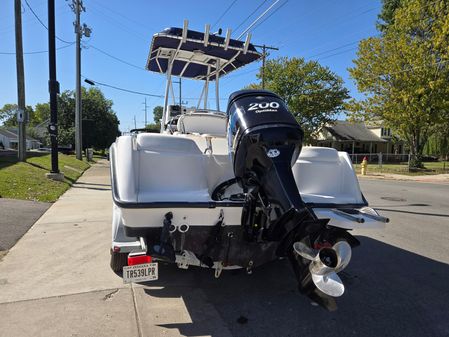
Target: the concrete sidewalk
(56, 280)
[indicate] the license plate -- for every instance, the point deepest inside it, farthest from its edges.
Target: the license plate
(140, 273)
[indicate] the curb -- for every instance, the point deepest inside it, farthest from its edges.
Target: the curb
(436, 179)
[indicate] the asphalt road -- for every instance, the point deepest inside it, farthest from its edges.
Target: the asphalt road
(419, 214)
(16, 217)
(397, 282)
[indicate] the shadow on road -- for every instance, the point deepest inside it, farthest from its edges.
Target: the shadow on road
(389, 292)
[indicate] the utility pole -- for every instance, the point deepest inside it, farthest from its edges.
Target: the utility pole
(80, 30)
(53, 87)
(180, 92)
(21, 112)
(135, 123)
(264, 55)
(180, 97)
(145, 109)
(78, 107)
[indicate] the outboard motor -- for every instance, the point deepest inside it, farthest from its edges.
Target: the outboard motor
(265, 141)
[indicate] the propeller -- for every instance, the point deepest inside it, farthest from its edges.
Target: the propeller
(325, 264)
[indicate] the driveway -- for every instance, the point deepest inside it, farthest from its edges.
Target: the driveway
(16, 217)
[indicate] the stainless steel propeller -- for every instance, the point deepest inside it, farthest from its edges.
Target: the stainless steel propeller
(325, 263)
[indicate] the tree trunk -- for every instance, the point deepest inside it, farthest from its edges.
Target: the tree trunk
(416, 150)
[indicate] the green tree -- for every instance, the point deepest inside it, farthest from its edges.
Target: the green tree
(313, 93)
(41, 113)
(66, 118)
(8, 114)
(438, 142)
(404, 73)
(386, 16)
(153, 127)
(100, 124)
(157, 114)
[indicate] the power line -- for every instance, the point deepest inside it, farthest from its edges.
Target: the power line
(117, 24)
(123, 89)
(224, 13)
(43, 24)
(349, 44)
(322, 27)
(335, 54)
(26, 20)
(240, 74)
(337, 48)
(133, 91)
(115, 58)
(307, 58)
(258, 18)
(355, 42)
(334, 49)
(98, 3)
(37, 52)
(269, 16)
(220, 98)
(252, 13)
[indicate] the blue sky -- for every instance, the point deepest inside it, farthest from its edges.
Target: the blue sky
(323, 30)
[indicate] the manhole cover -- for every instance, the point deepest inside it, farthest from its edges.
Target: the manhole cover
(393, 199)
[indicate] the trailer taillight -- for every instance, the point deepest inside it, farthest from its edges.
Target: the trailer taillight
(138, 259)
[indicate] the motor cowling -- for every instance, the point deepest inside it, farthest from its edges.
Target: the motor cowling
(264, 141)
(259, 120)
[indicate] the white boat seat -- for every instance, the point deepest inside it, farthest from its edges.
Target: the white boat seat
(200, 122)
(324, 175)
(177, 169)
(164, 142)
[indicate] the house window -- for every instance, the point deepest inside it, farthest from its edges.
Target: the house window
(385, 132)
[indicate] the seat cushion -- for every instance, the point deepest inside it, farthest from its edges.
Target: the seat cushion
(203, 123)
(162, 143)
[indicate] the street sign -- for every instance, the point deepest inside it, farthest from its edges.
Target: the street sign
(20, 115)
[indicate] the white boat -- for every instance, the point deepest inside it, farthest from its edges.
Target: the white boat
(234, 188)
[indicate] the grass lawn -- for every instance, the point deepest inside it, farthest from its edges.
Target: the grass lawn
(402, 168)
(28, 181)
